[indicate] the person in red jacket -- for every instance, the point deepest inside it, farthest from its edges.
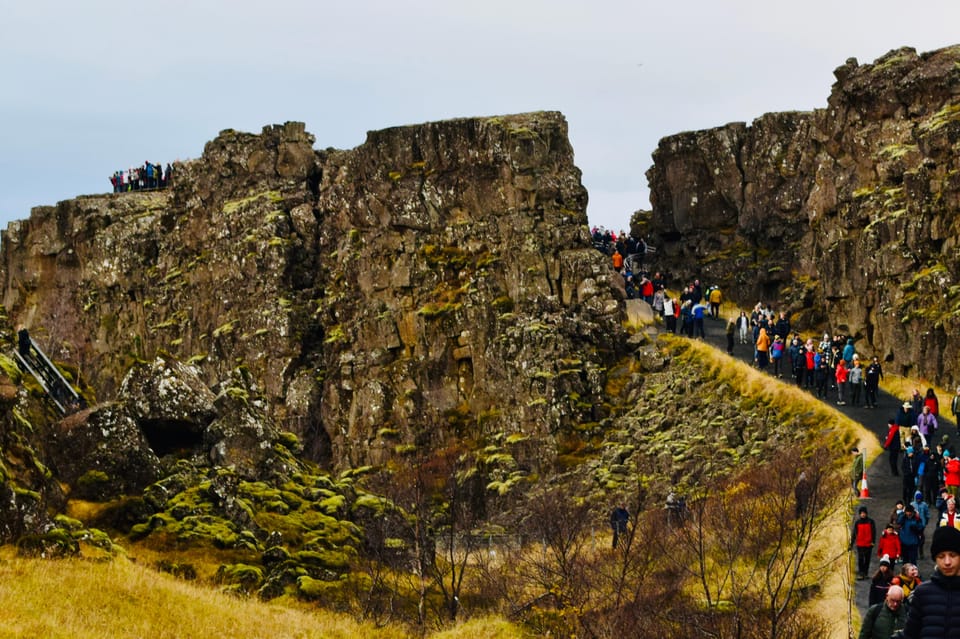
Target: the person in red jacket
(889, 544)
(951, 473)
(841, 382)
(862, 538)
(930, 400)
(892, 445)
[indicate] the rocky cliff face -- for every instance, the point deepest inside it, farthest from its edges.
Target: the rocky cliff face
(847, 215)
(437, 279)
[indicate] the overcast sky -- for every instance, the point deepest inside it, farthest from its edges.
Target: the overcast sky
(89, 87)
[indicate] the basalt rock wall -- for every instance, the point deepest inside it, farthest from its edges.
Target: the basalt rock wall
(845, 216)
(437, 280)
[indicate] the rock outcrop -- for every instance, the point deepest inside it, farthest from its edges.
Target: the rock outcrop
(437, 279)
(846, 215)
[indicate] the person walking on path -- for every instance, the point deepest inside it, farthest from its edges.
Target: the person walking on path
(934, 603)
(908, 474)
(932, 472)
(763, 347)
(863, 538)
(886, 618)
(889, 544)
(841, 376)
(923, 514)
(892, 445)
(911, 529)
(881, 581)
(872, 377)
(904, 420)
(951, 473)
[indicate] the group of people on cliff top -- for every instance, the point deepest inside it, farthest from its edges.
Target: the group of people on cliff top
(148, 176)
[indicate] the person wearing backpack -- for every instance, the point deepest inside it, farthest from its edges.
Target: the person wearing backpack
(776, 354)
(886, 618)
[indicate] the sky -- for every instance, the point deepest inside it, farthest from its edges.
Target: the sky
(90, 87)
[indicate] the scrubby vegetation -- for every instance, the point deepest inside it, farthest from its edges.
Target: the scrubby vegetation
(490, 525)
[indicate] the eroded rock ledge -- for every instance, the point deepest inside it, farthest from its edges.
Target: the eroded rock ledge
(437, 279)
(846, 215)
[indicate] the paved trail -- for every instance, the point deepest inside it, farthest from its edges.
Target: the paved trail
(884, 489)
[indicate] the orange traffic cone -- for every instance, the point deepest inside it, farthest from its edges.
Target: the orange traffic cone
(864, 493)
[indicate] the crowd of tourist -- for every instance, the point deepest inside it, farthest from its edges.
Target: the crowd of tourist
(901, 603)
(148, 176)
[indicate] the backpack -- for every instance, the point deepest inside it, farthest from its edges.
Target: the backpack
(776, 350)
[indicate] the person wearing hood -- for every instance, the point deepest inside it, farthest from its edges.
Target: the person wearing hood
(934, 603)
(848, 352)
(908, 471)
(923, 512)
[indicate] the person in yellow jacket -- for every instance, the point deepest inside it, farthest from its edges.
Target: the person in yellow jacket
(715, 298)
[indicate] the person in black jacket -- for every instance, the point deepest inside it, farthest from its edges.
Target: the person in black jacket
(934, 604)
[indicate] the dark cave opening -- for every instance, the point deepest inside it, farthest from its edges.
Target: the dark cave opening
(172, 437)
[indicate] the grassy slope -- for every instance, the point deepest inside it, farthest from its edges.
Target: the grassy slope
(91, 600)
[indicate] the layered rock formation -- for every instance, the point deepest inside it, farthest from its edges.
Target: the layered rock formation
(437, 279)
(846, 215)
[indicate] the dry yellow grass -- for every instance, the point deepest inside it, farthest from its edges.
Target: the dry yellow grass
(834, 605)
(90, 600)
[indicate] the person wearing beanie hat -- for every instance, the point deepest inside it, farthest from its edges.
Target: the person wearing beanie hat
(881, 581)
(911, 529)
(933, 601)
(863, 537)
(946, 539)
